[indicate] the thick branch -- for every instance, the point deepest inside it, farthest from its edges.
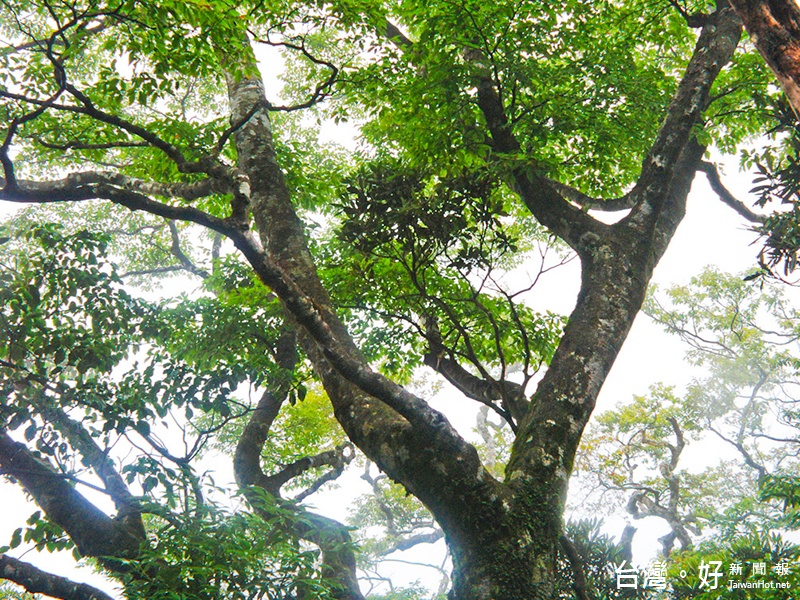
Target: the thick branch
(480, 390)
(359, 395)
(566, 221)
(678, 530)
(94, 532)
(668, 470)
(331, 536)
(73, 189)
(626, 541)
(409, 542)
(331, 475)
(340, 353)
(36, 581)
(127, 506)
(38, 191)
(588, 202)
(247, 458)
(336, 458)
(616, 264)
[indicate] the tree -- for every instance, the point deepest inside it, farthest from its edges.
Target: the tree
(744, 338)
(487, 127)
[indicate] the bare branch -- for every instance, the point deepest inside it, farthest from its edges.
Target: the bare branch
(587, 202)
(485, 391)
(338, 458)
(406, 543)
(322, 89)
(712, 174)
(748, 458)
(331, 475)
(75, 189)
(76, 181)
(186, 263)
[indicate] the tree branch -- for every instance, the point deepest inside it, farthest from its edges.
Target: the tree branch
(712, 174)
(322, 89)
(641, 505)
(693, 20)
(76, 145)
(36, 581)
(545, 203)
(332, 475)
(397, 37)
(715, 47)
(175, 248)
(335, 458)
(406, 543)
(247, 457)
(330, 536)
(75, 188)
(576, 564)
(94, 532)
(485, 391)
(774, 27)
(128, 509)
(315, 321)
(39, 190)
(589, 203)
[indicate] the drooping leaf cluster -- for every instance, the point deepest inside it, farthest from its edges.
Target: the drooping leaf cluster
(777, 183)
(426, 257)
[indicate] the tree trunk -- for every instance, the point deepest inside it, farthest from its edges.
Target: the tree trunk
(504, 537)
(774, 27)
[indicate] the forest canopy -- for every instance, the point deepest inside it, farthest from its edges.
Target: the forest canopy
(199, 270)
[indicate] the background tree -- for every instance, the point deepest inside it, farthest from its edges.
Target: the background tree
(486, 128)
(644, 455)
